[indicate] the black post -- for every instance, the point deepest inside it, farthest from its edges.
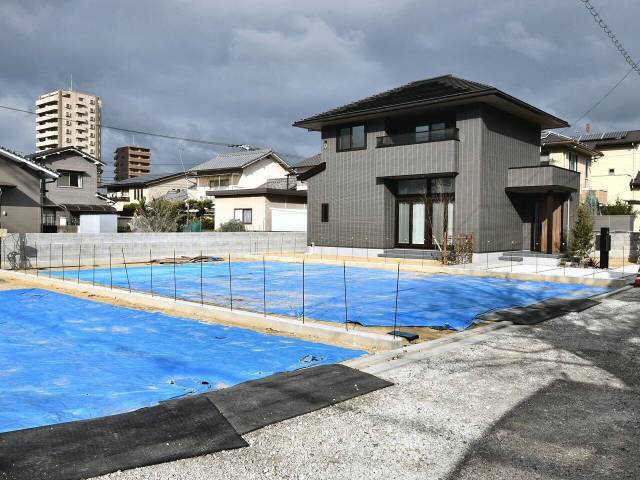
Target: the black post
(346, 307)
(201, 294)
(264, 287)
(303, 302)
(175, 288)
(110, 270)
(151, 270)
(605, 246)
(79, 262)
(62, 259)
(126, 271)
(395, 314)
(230, 289)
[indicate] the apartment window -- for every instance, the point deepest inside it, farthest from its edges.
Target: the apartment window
(92, 127)
(573, 161)
(352, 138)
(67, 106)
(68, 131)
(68, 140)
(70, 180)
(612, 171)
(93, 135)
(68, 114)
(92, 119)
(81, 99)
(92, 110)
(244, 215)
(92, 143)
(324, 212)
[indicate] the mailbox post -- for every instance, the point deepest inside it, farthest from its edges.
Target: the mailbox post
(605, 246)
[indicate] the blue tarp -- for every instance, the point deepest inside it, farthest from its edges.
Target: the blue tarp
(443, 301)
(64, 358)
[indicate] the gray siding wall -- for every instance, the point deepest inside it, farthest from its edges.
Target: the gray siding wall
(362, 211)
(85, 195)
(507, 141)
(21, 204)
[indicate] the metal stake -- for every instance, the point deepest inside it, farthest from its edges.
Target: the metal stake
(110, 270)
(175, 288)
(395, 315)
(79, 261)
(346, 308)
(303, 300)
(62, 260)
(264, 287)
(201, 294)
(126, 271)
(151, 270)
(230, 288)
(93, 272)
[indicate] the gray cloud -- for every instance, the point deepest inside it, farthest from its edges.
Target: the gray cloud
(242, 72)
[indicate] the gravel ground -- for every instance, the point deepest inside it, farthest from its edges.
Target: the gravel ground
(558, 400)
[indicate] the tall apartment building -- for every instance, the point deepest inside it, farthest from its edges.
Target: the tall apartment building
(66, 118)
(131, 161)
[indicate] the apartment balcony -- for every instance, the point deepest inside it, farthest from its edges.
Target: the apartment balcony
(53, 107)
(48, 143)
(53, 134)
(417, 137)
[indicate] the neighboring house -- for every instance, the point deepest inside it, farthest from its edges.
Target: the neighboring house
(567, 152)
(21, 189)
(231, 171)
(277, 205)
(439, 156)
(619, 167)
(75, 192)
(150, 187)
(307, 164)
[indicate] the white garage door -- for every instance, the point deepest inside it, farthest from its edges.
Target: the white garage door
(288, 220)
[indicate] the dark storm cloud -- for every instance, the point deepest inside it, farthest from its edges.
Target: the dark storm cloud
(243, 71)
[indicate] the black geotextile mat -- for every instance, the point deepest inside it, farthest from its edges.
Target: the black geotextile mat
(540, 312)
(83, 449)
(258, 403)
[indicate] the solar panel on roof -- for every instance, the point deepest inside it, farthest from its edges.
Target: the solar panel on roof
(591, 136)
(608, 135)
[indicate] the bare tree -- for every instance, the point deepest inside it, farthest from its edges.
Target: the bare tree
(155, 216)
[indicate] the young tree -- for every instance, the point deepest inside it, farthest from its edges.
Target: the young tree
(581, 240)
(155, 216)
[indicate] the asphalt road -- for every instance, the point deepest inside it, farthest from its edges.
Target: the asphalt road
(559, 400)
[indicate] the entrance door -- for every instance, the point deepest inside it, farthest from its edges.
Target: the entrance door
(411, 225)
(546, 234)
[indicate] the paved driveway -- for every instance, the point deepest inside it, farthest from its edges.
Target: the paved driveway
(555, 401)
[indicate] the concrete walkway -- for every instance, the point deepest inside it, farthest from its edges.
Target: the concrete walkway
(556, 401)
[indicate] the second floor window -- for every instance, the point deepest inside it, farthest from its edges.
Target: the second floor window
(573, 162)
(430, 132)
(70, 180)
(352, 138)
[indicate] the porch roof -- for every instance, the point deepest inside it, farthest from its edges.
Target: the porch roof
(542, 178)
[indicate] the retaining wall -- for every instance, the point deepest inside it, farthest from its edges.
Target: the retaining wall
(624, 245)
(46, 249)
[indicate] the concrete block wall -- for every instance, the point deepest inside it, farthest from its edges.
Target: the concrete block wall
(46, 249)
(624, 245)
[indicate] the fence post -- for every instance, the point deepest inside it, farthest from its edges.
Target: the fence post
(126, 271)
(24, 255)
(50, 258)
(281, 244)
(79, 262)
(536, 254)
(201, 293)
(1, 255)
(38, 272)
(175, 288)
(110, 270)
(303, 299)
(151, 270)
(395, 314)
(623, 255)
(93, 271)
(62, 260)
(346, 308)
(264, 287)
(230, 288)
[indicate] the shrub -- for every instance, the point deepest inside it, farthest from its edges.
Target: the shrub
(155, 216)
(231, 226)
(129, 209)
(619, 208)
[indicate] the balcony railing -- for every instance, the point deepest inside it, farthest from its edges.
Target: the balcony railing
(418, 137)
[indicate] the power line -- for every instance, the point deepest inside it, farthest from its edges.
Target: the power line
(612, 36)
(154, 134)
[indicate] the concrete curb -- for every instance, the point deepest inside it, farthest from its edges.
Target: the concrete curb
(240, 318)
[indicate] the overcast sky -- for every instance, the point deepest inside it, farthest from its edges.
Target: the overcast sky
(243, 71)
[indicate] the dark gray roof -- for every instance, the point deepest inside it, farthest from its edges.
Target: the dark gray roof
(610, 138)
(553, 138)
(309, 162)
(237, 160)
(285, 183)
(54, 151)
(635, 183)
(143, 180)
(437, 89)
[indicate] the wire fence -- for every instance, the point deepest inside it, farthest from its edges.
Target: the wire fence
(335, 289)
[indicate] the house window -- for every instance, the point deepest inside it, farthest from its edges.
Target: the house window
(324, 214)
(352, 138)
(612, 171)
(244, 215)
(70, 180)
(573, 161)
(430, 132)
(138, 194)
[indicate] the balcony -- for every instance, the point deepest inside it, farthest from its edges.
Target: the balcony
(419, 137)
(542, 178)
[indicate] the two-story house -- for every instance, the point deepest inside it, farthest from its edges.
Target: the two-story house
(22, 185)
(75, 192)
(569, 153)
(436, 157)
